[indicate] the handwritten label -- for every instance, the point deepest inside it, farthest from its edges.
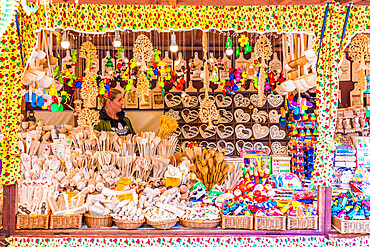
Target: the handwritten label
(122, 183)
(125, 196)
(172, 181)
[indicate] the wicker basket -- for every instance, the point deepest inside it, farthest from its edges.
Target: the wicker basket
(128, 224)
(351, 226)
(237, 222)
(98, 221)
(200, 224)
(65, 221)
(34, 221)
(304, 222)
(163, 224)
(270, 223)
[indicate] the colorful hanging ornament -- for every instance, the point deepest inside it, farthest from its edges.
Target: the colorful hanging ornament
(243, 40)
(74, 56)
(228, 43)
(120, 50)
(263, 51)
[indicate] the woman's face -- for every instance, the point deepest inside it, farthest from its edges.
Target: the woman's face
(116, 104)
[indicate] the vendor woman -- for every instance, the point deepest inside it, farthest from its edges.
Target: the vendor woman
(112, 117)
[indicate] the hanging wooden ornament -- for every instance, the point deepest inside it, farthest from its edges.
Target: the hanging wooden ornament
(89, 118)
(108, 66)
(262, 51)
(143, 89)
(89, 90)
(143, 51)
(88, 51)
(359, 53)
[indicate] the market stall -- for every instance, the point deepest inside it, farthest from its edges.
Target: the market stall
(235, 147)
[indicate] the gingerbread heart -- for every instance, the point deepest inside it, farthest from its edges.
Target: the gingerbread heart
(259, 116)
(206, 132)
(241, 101)
(223, 101)
(224, 116)
(241, 145)
(277, 133)
(172, 100)
(275, 100)
(189, 132)
(226, 147)
(224, 131)
(241, 116)
(174, 114)
(274, 116)
(189, 101)
(278, 149)
(255, 100)
(189, 115)
(242, 132)
(260, 131)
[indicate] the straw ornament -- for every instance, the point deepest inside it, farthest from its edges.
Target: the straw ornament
(359, 53)
(263, 51)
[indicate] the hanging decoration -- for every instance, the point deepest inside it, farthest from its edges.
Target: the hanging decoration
(89, 90)
(7, 14)
(29, 10)
(263, 51)
(360, 53)
(143, 52)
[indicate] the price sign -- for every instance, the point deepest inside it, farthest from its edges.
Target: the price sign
(125, 196)
(172, 181)
(122, 183)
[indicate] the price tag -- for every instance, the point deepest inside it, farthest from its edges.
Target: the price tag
(172, 181)
(71, 194)
(62, 136)
(125, 196)
(122, 183)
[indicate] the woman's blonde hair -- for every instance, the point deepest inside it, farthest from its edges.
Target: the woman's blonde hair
(113, 94)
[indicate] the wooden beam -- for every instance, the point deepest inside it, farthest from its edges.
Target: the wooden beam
(172, 2)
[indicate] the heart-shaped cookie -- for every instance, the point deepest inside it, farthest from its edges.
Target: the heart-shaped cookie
(189, 101)
(260, 146)
(241, 101)
(275, 100)
(206, 132)
(274, 116)
(223, 101)
(260, 131)
(224, 116)
(242, 132)
(241, 116)
(241, 145)
(224, 131)
(174, 114)
(277, 133)
(278, 149)
(189, 115)
(226, 147)
(255, 100)
(259, 116)
(208, 145)
(172, 100)
(189, 132)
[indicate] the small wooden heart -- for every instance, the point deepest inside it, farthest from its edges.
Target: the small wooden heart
(276, 133)
(189, 115)
(241, 116)
(274, 116)
(223, 101)
(240, 144)
(260, 146)
(255, 100)
(189, 101)
(208, 145)
(224, 131)
(224, 116)
(278, 149)
(206, 132)
(226, 147)
(241, 101)
(172, 100)
(189, 132)
(275, 100)
(260, 131)
(259, 116)
(202, 96)
(242, 132)
(174, 114)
